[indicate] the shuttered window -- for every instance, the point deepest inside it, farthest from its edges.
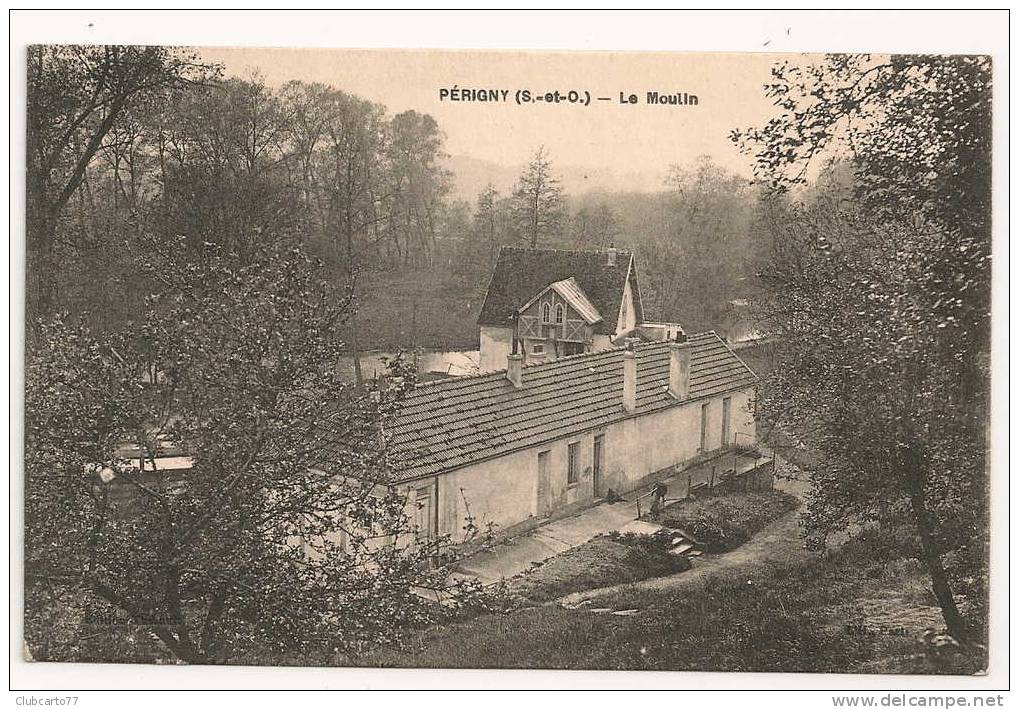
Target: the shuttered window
(573, 463)
(726, 421)
(704, 427)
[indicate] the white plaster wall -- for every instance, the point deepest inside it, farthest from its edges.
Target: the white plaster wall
(504, 490)
(601, 342)
(500, 491)
(495, 346)
(745, 415)
(640, 446)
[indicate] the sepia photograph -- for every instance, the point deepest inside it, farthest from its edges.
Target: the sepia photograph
(534, 359)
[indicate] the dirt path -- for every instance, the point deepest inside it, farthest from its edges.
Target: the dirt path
(778, 543)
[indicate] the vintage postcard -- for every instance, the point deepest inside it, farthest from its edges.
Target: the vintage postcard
(460, 359)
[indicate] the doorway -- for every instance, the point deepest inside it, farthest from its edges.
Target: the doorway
(542, 489)
(423, 517)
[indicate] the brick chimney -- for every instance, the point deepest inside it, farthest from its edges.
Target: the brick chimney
(679, 367)
(612, 255)
(629, 378)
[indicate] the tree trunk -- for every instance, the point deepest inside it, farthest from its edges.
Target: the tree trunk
(183, 650)
(356, 348)
(534, 221)
(40, 278)
(179, 645)
(932, 558)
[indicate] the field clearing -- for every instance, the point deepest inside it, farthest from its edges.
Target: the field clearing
(818, 616)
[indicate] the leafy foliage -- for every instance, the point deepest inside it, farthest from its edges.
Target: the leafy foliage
(881, 300)
(77, 95)
(538, 200)
(152, 144)
(606, 560)
(284, 530)
(917, 128)
(724, 522)
(697, 264)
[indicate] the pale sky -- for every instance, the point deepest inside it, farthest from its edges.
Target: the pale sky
(637, 141)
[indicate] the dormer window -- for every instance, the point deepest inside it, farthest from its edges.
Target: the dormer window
(559, 315)
(546, 316)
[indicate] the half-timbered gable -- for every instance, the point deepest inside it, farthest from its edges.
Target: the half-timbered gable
(555, 303)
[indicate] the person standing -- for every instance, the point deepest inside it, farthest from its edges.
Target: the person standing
(658, 492)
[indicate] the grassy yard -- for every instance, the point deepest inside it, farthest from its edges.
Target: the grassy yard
(418, 309)
(841, 613)
(724, 522)
(769, 605)
(605, 560)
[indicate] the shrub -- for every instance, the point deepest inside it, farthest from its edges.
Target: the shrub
(724, 522)
(875, 543)
(604, 561)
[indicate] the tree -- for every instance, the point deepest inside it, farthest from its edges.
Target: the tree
(234, 367)
(130, 143)
(594, 226)
(860, 374)
(917, 130)
(881, 304)
(339, 143)
(539, 200)
(694, 266)
(222, 177)
(486, 220)
(416, 184)
(476, 237)
(76, 96)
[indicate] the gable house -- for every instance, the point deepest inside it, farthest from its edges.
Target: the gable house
(578, 396)
(559, 303)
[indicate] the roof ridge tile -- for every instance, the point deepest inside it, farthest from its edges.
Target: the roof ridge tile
(452, 423)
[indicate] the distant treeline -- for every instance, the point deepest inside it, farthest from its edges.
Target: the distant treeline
(140, 150)
(698, 240)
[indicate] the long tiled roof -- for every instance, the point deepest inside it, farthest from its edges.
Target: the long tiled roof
(520, 274)
(451, 423)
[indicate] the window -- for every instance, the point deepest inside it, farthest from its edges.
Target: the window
(704, 427)
(538, 348)
(559, 314)
(572, 348)
(546, 316)
(573, 463)
(726, 423)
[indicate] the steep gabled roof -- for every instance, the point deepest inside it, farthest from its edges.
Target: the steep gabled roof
(572, 293)
(520, 274)
(451, 423)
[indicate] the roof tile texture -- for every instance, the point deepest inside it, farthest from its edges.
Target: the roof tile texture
(520, 274)
(452, 423)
